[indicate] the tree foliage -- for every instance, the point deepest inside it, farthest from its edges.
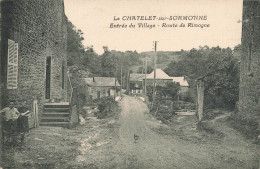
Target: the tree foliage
(75, 48)
(219, 69)
(109, 64)
(141, 69)
(169, 91)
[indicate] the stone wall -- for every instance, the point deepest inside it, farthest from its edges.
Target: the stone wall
(39, 28)
(249, 89)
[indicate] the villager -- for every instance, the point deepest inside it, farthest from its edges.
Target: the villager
(22, 121)
(9, 121)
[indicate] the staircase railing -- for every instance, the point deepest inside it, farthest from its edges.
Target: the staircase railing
(70, 89)
(73, 100)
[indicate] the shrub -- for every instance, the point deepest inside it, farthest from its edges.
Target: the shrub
(104, 106)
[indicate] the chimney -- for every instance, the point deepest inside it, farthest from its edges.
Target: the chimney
(93, 79)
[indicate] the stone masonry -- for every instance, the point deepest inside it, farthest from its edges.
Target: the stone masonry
(249, 93)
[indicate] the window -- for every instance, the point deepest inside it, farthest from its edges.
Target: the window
(12, 65)
(48, 78)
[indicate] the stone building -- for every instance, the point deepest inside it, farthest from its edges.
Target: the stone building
(98, 87)
(33, 51)
(162, 79)
(249, 89)
(137, 81)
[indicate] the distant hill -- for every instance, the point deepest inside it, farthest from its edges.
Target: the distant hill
(163, 58)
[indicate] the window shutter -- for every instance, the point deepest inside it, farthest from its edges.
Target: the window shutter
(12, 69)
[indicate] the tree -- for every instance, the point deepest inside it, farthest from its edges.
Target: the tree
(169, 91)
(91, 61)
(220, 70)
(141, 69)
(75, 48)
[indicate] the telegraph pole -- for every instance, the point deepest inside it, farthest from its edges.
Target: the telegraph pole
(145, 72)
(115, 85)
(121, 82)
(127, 81)
(154, 77)
(121, 78)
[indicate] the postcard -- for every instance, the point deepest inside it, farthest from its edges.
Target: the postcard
(129, 84)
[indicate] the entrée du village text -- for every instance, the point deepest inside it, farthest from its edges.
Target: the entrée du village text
(150, 22)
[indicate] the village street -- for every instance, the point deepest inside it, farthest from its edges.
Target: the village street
(160, 150)
(109, 143)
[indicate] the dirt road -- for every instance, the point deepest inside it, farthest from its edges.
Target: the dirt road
(155, 150)
(109, 143)
(151, 150)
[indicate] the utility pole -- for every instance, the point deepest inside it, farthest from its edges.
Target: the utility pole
(127, 81)
(121, 82)
(115, 85)
(121, 73)
(154, 77)
(145, 72)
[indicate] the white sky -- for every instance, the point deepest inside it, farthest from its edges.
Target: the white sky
(93, 17)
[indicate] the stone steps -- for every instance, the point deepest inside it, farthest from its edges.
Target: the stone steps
(55, 114)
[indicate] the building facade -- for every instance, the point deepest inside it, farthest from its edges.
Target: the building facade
(33, 51)
(98, 87)
(249, 88)
(162, 79)
(136, 82)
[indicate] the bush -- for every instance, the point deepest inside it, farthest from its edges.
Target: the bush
(164, 115)
(187, 97)
(164, 110)
(104, 106)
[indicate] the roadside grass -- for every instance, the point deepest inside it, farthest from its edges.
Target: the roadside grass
(210, 129)
(210, 114)
(187, 128)
(44, 147)
(56, 147)
(248, 127)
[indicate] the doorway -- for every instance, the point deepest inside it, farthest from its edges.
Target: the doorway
(48, 78)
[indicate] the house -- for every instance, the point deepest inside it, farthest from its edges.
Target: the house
(102, 86)
(162, 79)
(136, 82)
(33, 53)
(183, 83)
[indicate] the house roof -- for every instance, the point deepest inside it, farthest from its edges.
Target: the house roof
(181, 80)
(136, 77)
(160, 74)
(101, 81)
